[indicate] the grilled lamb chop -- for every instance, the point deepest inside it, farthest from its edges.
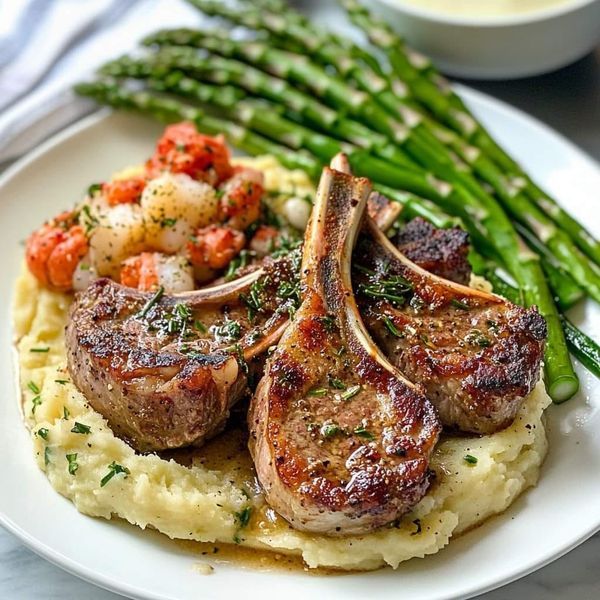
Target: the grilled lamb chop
(476, 354)
(442, 252)
(165, 370)
(340, 439)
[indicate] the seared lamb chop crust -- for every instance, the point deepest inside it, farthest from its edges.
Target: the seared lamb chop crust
(165, 369)
(340, 439)
(476, 354)
(442, 252)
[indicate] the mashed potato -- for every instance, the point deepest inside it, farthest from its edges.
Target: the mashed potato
(211, 494)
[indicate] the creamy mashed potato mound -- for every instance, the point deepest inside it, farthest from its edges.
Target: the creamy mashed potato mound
(215, 498)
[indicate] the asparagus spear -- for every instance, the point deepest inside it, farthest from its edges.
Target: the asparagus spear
(586, 350)
(437, 96)
(567, 292)
(560, 377)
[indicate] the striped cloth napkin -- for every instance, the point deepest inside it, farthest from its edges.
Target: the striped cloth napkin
(46, 46)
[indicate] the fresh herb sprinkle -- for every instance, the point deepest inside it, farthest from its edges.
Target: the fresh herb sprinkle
(459, 304)
(34, 387)
(151, 302)
(81, 428)
(35, 401)
(472, 460)
(317, 392)
(114, 469)
(336, 383)
(351, 392)
(330, 429)
(360, 431)
(72, 460)
(391, 327)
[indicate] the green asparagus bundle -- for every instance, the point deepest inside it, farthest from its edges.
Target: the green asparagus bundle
(437, 95)
(291, 30)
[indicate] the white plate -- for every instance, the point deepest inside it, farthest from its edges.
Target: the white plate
(544, 524)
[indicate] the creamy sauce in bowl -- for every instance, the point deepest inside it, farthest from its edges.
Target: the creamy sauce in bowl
(483, 8)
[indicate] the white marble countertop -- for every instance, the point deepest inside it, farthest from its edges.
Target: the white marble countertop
(569, 101)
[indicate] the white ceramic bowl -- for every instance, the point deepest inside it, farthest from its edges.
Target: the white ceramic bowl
(498, 47)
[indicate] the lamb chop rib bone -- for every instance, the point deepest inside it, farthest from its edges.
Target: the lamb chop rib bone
(341, 440)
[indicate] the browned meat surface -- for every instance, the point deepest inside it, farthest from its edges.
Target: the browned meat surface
(476, 354)
(340, 439)
(439, 251)
(165, 370)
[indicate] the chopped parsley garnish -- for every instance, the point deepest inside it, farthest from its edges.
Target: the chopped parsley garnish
(72, 460)
(94, 189)
(330, 429)
(61, 381)
(318, 392)
(151, 302)
(43, 433)
(66, 413)
(253, 299)
(243, 516)
(335, 383)
(360, 431)
(285, 246)
(392, 327)
(200, 326)
(34, 387)
(288, 290)
(472, 460)
(425, 339)
(36, 401)
(328, 323)
(239, 262)
(47, 456)
(167, 222)
(178, 319)
(89, 220)
(44, 349)
(416, 302)
(114, 469)
(237, 350)
(229, 331)
(351, 392)
(81, 428)
(459, 304)
(476, 338)
(394, 288)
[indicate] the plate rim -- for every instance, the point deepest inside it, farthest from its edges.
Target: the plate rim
(103, 581)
